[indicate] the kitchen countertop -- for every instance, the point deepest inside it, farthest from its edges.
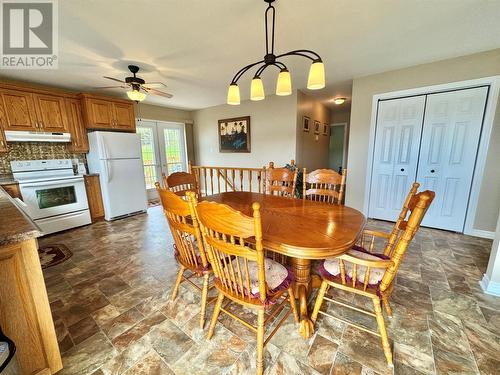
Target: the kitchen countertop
(6, 179)
(15, 226)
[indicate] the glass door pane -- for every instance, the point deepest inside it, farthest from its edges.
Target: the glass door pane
(147, 132)
(173, 147)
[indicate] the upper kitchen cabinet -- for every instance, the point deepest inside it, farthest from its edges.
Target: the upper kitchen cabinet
(51, 113)
(105, 113)
(79, 139)
(124, 116)
(19, 110)
(3, 143)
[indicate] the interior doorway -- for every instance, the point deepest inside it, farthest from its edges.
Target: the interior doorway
(337, 149)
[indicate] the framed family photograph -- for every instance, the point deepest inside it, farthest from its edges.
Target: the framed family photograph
(305, 123)
(317, 125)
(234, 134)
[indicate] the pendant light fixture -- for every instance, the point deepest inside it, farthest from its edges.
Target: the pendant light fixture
(315, 81)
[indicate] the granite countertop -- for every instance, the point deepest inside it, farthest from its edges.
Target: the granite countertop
(6, 179)
(15, 226)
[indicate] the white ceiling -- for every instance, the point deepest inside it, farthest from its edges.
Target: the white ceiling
(196, 46)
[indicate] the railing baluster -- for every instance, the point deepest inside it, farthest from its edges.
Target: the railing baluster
(211, 181)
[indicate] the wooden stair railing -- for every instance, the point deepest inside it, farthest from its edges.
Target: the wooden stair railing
(215, 180)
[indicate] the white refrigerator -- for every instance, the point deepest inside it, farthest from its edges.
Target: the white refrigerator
(117, 159)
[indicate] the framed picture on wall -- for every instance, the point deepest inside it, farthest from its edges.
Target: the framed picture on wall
(234, 134)
(325, 129)
(317, 125)
(305, 123)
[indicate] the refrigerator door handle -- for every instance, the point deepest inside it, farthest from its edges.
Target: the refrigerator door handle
(103, 148)
(109, 170)
(106, 171)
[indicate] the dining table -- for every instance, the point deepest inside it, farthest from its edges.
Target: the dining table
(303, 230)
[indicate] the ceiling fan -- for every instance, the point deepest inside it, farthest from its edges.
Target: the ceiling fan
(137, 87)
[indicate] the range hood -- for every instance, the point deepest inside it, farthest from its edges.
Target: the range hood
(27, 136)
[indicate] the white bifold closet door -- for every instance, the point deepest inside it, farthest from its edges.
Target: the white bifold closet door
(432, 139)
(397, 139)
(450, 139)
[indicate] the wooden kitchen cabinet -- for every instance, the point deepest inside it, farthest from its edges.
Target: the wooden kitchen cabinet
(3, 144)
(19, 110)
(105, 113)
(51, 113)
(94, 197)
(124, 116)
(13, 190)
(79, 139)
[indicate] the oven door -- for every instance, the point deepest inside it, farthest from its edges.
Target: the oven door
(50, 198)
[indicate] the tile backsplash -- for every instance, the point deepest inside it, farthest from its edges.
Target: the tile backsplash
(35, 151)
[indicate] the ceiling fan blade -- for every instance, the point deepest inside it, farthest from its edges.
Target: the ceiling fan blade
(114, 79)
(151, 85)
(111, 87)
(159, 93)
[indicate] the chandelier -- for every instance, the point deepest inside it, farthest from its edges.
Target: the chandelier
(315, 81)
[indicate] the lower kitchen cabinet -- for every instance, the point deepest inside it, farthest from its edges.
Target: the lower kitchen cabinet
(94, 197)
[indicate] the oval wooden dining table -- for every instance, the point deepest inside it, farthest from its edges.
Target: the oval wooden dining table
(303, 231)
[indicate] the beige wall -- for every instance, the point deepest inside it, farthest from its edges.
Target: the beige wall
(339, 116)
(158, 113)
(458, 69)
(272, 131)
(311, 153)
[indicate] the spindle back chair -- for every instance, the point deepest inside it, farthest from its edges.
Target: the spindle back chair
(324, 185)
(242, 273)
(189, 250)
(371, 275)
(280, 181)
(371, 238)
(180, 183)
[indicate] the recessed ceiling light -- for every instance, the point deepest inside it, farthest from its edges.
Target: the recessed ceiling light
(339, 101)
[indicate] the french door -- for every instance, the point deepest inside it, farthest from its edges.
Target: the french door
(163, 150)
(432, 139)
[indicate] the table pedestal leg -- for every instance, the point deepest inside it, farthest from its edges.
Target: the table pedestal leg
(302, 270)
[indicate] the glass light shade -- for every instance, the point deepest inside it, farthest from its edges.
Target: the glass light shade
(339, 101)
(136, 95)
(284, 83)
(316, 78)
(257, 89)
(233, 94)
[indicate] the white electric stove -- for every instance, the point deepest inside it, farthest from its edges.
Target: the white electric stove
(53, 195)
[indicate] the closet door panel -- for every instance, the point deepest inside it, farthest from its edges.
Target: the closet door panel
(397, 139)
(450, 140)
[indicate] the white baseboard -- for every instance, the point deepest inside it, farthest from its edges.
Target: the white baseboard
(490, 287)
(481, 233)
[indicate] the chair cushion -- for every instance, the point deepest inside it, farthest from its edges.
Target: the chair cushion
(332, 268)
(278, 277)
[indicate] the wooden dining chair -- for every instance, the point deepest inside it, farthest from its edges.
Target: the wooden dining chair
(242, 274)
(280, 181)
(324, 185)
(180, 183)
(371, 275)
(188, 245)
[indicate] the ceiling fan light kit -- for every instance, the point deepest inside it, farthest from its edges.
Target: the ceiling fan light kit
(315, 81)
(136, 95)
(137, 88)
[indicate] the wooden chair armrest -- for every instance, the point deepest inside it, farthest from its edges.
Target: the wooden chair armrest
(376, 233)
(382, 263)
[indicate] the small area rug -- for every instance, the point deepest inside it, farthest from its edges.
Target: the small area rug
(52, 255)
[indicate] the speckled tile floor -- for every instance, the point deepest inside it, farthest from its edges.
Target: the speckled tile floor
(113, 314)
